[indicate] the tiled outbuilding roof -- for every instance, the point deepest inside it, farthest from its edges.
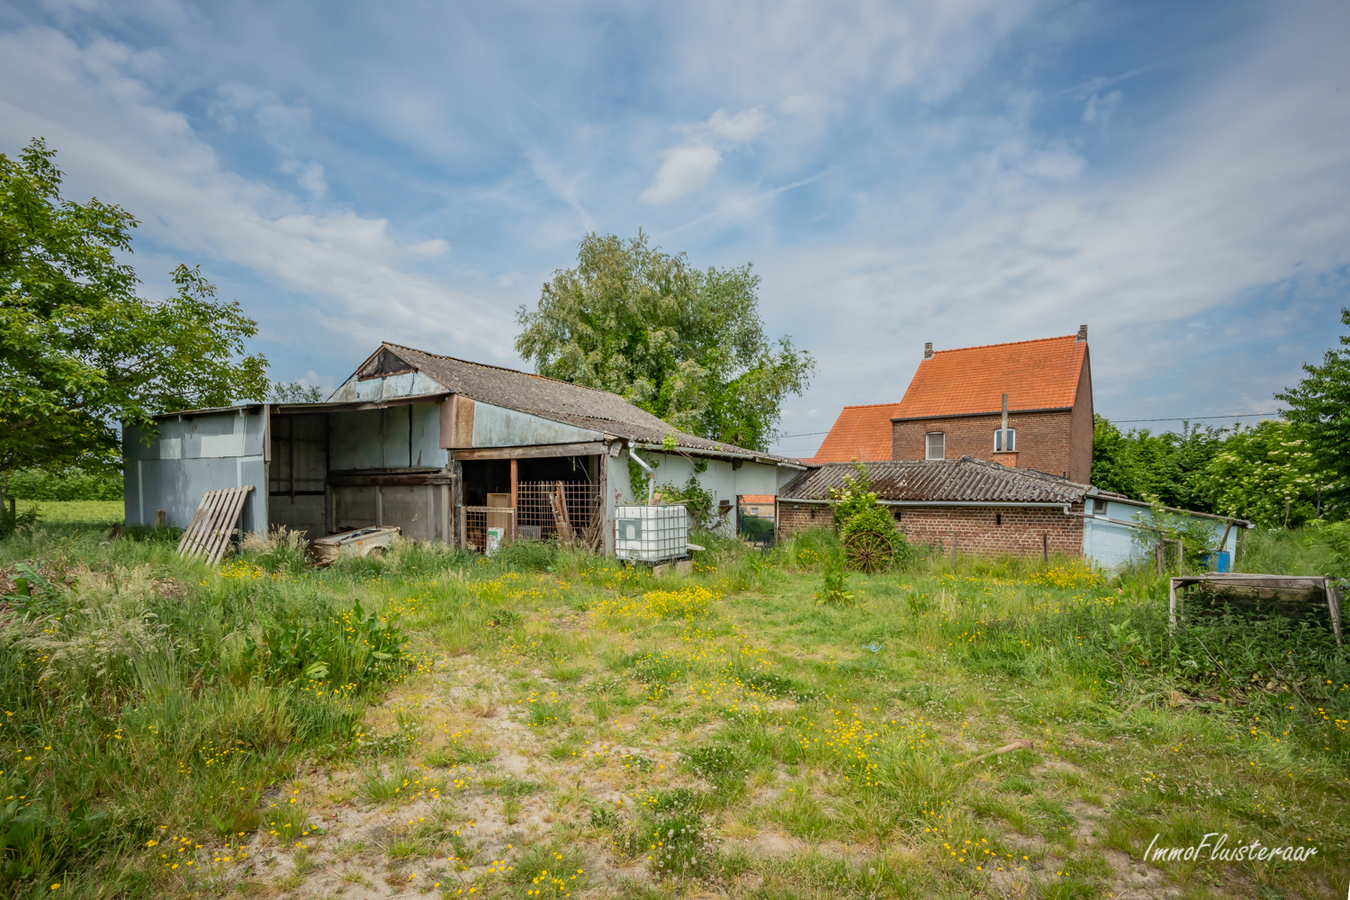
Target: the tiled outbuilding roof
(757, 499)
(559, 401)
(948, 480)
(860, 432)
(1042, 374)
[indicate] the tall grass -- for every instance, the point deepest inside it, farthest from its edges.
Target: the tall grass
(141, 697)
(1291, 551)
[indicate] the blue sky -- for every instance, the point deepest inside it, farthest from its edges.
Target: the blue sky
(1177, 176)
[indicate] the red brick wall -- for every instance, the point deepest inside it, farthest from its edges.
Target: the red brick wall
(985, 531)
(1043, 440)
(980, 531)
(1080, 428)
(795, 517)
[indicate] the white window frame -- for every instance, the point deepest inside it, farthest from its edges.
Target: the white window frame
(1012, 441)
(928, 445)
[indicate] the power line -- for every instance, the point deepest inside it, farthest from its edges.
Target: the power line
(803, 434)
(1193, 418)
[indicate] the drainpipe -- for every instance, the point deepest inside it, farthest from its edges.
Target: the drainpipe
(651, 473)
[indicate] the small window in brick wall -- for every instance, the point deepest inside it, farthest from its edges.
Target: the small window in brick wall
(998, 518)
(895, 510)
(935, 445)
(998, 440)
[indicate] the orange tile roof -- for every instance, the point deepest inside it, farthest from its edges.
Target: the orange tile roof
(1040, 374)
(757, 499)
(860, 432)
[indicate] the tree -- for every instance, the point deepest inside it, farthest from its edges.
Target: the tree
(293, 392)
(1163, 467)
(684, 344)
(79, 350)
(1266, 474)
(1320, 406)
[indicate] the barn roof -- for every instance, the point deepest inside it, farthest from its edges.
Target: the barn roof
(559, 401)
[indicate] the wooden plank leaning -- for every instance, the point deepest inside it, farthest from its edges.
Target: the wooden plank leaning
(199, 521)
(202, 550)
(192, 527)
(208, 534)
(236, 509)
(220, 527)
(219, 538)
(196, 540)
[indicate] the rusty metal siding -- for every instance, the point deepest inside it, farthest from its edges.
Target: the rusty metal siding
(494, 426)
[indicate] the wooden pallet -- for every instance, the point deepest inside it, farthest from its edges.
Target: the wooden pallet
(208, 536)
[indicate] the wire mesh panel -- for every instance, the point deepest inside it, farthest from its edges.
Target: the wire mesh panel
(568, 511)
(485, 528)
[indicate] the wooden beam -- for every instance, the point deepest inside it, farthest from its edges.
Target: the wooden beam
(1334, 608)
(1172, 604)
(396, 479)
(515, 485)
(538, 451)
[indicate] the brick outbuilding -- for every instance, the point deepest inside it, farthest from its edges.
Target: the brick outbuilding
(988, 509)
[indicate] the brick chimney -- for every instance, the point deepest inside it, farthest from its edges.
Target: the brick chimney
(1082, 333)
(928, 350)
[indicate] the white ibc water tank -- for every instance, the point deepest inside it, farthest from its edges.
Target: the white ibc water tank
(651, 533)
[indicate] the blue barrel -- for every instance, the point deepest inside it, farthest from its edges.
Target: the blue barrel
(1219, 561)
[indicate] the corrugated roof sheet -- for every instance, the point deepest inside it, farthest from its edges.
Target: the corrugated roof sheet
(1040, 374)
(948, 480)
(860, 432)
(558, 400)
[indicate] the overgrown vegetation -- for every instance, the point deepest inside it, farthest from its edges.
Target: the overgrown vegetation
(1285, 472)
(546, 723)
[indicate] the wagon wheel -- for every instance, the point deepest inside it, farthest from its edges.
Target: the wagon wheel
(869, 552)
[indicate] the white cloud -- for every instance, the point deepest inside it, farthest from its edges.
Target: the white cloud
(739, 129)
(112, 135)
(1100, 107)
(687, 168)
(308, 175)
(430, 249)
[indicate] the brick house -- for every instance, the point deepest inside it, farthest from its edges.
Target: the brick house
(955, 403)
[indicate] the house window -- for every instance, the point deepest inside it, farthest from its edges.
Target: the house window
(936, 445)
(1098, 507)
(998, 440)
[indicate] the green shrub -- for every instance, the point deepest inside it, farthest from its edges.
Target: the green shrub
(75, 484)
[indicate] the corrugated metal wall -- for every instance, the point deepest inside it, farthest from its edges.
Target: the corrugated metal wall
(194, 454)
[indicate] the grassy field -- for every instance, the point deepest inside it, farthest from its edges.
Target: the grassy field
(547, 724)
(75, 512)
